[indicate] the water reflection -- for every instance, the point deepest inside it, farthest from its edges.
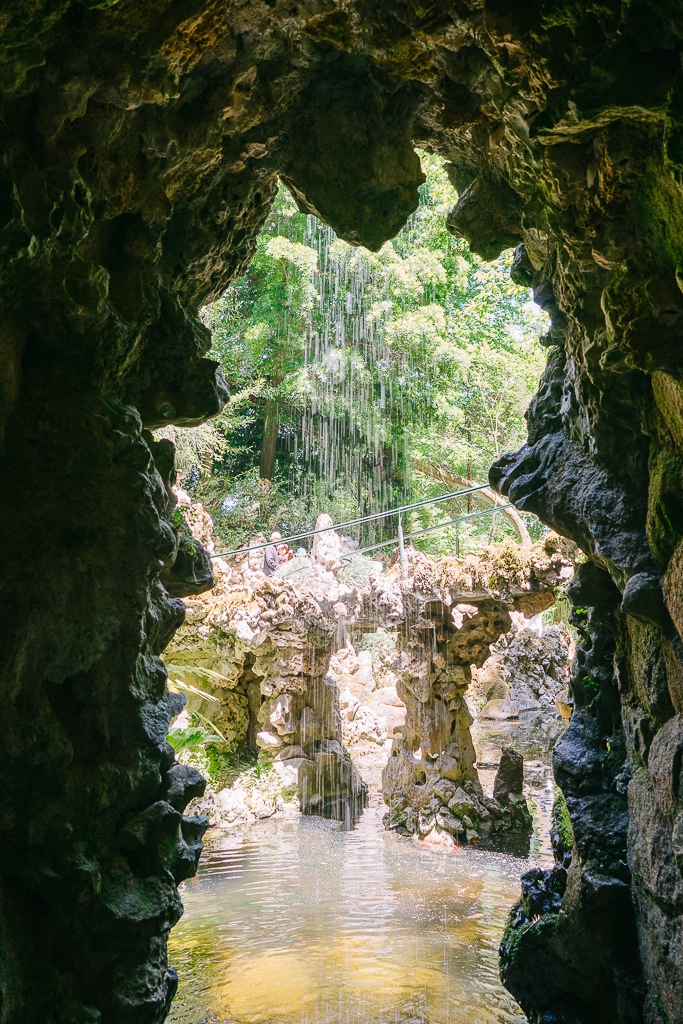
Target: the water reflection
(295, 921)
(534, 734)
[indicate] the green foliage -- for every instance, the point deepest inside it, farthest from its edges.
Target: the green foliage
(378, 367)
(357, 571)
(207, 674)
(199, 447)
(249, 508)
(223, 766)
(664, 1016)
(192, 737)
(509, 566)
(562, 822)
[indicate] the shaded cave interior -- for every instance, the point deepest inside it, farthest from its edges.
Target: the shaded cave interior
(143, 147)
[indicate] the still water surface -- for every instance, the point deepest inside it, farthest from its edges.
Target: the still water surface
(293, 921)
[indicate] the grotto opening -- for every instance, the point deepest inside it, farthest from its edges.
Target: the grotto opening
(142, 144)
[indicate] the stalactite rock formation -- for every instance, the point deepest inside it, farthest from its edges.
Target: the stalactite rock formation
(142, 147)
(267, 646)
(451, 612)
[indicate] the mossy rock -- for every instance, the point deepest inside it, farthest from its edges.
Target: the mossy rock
(665, 502)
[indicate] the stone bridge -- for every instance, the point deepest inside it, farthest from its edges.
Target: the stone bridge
(270, 641)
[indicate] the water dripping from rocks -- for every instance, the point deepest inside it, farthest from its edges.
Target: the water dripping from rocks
(302, 920)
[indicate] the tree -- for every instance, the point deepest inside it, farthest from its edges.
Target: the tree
(259, 327)
(359, 370)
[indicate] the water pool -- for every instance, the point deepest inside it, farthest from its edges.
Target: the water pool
(293, 921)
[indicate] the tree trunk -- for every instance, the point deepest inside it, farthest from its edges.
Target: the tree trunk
(468, 468)
(269, 442)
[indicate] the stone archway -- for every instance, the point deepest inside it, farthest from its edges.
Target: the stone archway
(142, 145)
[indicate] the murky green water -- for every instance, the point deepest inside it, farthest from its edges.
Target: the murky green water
(294, 922)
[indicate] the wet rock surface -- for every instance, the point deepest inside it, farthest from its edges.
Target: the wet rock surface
(265, 648)
(509, 777)
(585, 929)
(454, 611)
(266, 644)
(142, 146)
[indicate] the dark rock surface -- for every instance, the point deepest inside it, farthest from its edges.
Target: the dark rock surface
(141, 148)
(509, 777)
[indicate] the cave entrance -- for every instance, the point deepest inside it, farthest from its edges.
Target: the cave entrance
(351, 921)
(357, 901)
(315, 728)
(251, 684)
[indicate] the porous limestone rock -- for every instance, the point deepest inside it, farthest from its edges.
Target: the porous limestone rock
(142, 148)
(326, 548)
(266, 645)
(499, 709)
(447, 614)
(253, 797)
(370, 712)
(528, 669)
(594, 897)
(267, 641)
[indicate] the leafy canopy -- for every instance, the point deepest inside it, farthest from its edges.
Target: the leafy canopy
(389, 373)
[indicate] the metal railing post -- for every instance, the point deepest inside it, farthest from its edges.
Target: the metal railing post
(401, 546)
(457, 542)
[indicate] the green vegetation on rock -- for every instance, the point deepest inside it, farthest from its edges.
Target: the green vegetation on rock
(561, 822)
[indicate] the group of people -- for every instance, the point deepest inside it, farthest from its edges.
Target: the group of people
(275, 554)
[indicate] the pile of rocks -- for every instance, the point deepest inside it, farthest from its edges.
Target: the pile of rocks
(258, 792)
(370, 713)
(461, 813)
(525, 671)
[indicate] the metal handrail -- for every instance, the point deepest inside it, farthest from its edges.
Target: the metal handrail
(408, 536)
(357, 522)
(430, 529)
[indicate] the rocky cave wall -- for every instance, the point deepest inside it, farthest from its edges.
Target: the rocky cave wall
(447, 614)
(266, 644)
(142, 145)
(260, 648)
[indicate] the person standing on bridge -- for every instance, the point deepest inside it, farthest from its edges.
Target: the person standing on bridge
(271, 557)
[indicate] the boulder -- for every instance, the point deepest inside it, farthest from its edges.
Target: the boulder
(461, 803)
(386, 704)
(509, 781)
(499, 710)
(327, 547)
(445, 819)
(444, 789)
(292, 753)
(268, 740)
